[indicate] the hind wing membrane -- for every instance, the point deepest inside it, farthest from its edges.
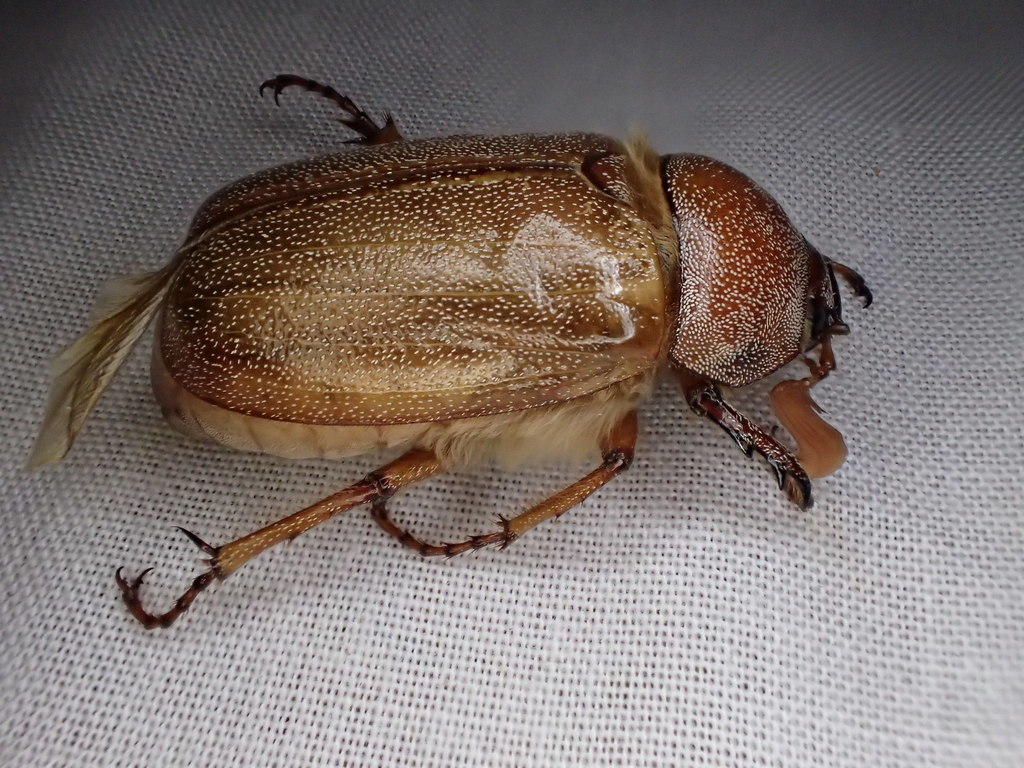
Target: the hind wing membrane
(83, 370)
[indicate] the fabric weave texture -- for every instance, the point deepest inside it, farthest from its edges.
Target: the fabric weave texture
(686, 614)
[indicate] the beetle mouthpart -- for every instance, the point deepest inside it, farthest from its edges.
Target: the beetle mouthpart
(821, 449)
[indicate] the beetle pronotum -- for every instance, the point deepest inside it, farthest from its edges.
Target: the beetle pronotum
(463, 297)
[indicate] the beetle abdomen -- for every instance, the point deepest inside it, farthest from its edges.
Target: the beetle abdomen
(425, 292)
(555, 432)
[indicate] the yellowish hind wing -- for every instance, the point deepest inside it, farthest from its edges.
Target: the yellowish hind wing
(82, 371)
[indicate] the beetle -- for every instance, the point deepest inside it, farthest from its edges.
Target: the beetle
(465, 297)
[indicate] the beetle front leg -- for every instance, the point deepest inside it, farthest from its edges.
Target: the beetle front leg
(853, 279)
(409, 468)
(357, 120)
(824, 365)
(705, 400)
(617, 451)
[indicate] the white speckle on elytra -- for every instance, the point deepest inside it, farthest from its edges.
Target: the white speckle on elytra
(414, 282)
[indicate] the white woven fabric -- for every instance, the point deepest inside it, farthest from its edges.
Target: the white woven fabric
(686, 615)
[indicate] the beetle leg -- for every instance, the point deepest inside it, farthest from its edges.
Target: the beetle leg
(824, 365)
(357, 120)
(853, 279)
(617, 451)
(409, 468)
(705, 399)
(379, 512)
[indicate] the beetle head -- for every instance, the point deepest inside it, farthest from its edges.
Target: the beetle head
(753, 293)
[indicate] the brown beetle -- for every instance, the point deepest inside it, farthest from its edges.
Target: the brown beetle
(461, 297)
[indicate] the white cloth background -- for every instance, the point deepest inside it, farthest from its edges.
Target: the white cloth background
(687, 615)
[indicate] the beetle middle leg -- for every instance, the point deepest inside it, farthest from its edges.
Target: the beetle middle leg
(706, 400)
(617, 452)
(411, 467)
(357, 120)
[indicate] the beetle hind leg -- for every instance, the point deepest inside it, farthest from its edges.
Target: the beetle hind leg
(358, 120)
(411, 467)
(617, 452)
(131, 592)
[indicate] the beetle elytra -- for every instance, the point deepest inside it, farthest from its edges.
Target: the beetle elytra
(460, 297)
